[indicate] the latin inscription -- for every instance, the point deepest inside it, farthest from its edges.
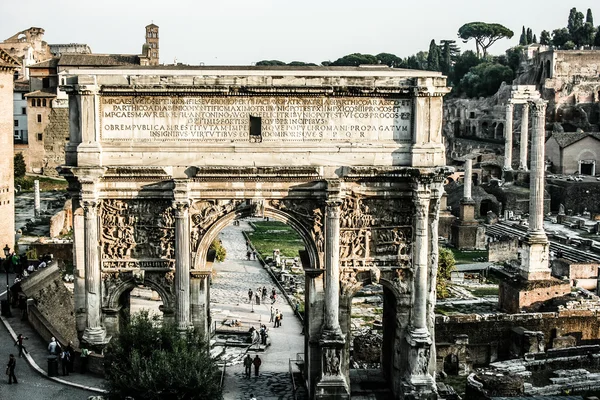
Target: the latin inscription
(283, 119)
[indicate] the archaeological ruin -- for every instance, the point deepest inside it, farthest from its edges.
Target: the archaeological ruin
(161, 159)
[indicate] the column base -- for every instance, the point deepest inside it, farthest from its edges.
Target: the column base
(535, 256)
(419, 384)
(332, 389)
(96, 336)
(333, 384)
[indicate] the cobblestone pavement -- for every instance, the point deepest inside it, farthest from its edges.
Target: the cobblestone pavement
(229, 300)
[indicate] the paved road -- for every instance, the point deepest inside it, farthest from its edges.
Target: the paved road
(229, 298)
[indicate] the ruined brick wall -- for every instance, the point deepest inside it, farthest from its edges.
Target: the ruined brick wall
(7, 206)
(56, 135)
(513, 298)
(53, 300)
(37, 121)
(584, 325)
(503, 250)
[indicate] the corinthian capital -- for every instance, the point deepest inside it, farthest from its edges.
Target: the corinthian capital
(90, 206)
(538, 108)
(180, 208)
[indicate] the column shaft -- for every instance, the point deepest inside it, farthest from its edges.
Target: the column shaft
(182, 265)
(536, 186)
(420, 261)
(524, 138)
(508, 132)
(468, 179)
(92, 265)
(332, 266)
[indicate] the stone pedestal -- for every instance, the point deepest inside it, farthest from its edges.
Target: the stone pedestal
(199, 300)
(332, 384)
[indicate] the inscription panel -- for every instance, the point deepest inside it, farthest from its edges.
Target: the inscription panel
(275, 119)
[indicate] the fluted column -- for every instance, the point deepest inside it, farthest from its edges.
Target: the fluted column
(182, 264)
(524, 138)
(508, 132)
(420, 260)
(468, 179)
(94, 332)
(536, 179)
(332, 266)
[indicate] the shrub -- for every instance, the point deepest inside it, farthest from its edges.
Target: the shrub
(220, 251)
(19, 166)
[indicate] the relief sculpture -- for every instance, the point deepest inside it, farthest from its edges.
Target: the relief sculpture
(136, 229)
(309, 213)
(204, 213)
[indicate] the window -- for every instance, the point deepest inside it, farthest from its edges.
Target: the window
(39, 137)
(255, 129)
(44, 102)
(24, 110)
(45, 82)
(39, 117)
(16, 122)
(32, 102)
(39, 102)
(16, 135)
(22, 96)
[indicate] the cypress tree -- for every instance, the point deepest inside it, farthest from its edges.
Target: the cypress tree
(589, 17)
(529, 36)
(523, 38)
(433, 57)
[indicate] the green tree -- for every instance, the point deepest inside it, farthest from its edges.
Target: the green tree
(417, 61)
(529, 36)
(584, 36)
(390, 60)
(354, 60)
(523, 38)
(446, 264)
(19, 165)
(534, 38)
(575, 21)
(485, 79)
(220, 251)
(270, 62)
(597, 38)
(153, 361)
(545, 38)
(464, 63)
(485, 35)
(570, 45)
(514, 57)
(433, 56)
(589, 18)
(560, 37)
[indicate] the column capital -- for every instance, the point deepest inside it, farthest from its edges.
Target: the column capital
(509, 106)
(538, 108)
(180, 208)
(90, 206)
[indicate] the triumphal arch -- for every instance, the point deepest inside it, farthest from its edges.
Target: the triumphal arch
(160, 159)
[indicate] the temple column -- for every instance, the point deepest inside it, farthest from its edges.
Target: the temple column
(535, 257)
(332, 384)
(524, 138)
(434, 213)
(95, 333)
(79, 291)
(508, 133)
(468, 179)
(199, 299)
(332, 267)
(182, 264)
(419, 383)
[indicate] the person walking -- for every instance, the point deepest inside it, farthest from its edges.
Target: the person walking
(264, 293)
(272, 319)
(276, 324)
(19, 343)
(54, 348)
(10, 369)
(247, 366)
(280, 317)
(65, 358)
(84, 359)
(257, 362)
(71, 352)
(250, 295)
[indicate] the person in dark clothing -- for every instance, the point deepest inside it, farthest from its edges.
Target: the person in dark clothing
(69, 349)
(257, 362)
(19, 343)
(247, 366)
(10, 369)
(65, 359)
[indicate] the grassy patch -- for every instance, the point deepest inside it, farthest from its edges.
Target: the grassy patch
(468, 257)
(272, 235)
(46, 183)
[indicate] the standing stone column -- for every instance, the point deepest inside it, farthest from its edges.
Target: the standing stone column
(332, 267)
(508, 132)
(94, 332)
(420, 262)
(36, 198)
(538, 165)
(199, 300)
(524, 138)
(468, 179)
(182, 264)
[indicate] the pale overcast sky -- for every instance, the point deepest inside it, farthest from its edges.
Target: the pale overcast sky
(240, 32)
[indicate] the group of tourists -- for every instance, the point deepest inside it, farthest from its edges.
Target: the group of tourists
(276, 317)
(249, 362)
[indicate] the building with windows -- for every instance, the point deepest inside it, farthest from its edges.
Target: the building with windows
(21, 88)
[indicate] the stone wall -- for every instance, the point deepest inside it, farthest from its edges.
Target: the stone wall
(503, 250)
(36, 126)
(519, 296)
(495, 330)
(561, 267)
(7, 206)
(53, 300)
(56, 135)
(575, 196)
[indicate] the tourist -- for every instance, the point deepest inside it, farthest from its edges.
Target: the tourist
(65, 359)
(254, 254)
(248, 366)
(10, 369)
(272, 315)
(31, 269)
(84, 359)
(248, 254)
(247, 245)
(250, 293)
(19, 343)
(257, 298)
(297, 307)
(257, 362)
(264, 293)
(71, 352)
(54, 348)
(276, 325)
(280, 318)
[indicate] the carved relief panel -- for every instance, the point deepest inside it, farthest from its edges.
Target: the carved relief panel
(205, 213)
(375, 231)
(307, 212)
(136, 233)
